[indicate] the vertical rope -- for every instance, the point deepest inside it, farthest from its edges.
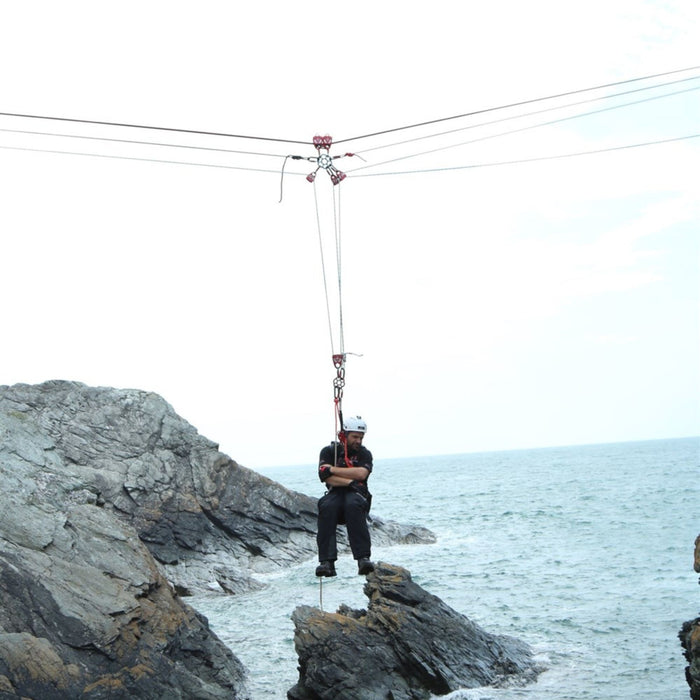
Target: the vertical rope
(341, 332)
(339, 260)
(323, 268)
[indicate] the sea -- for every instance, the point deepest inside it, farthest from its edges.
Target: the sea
(585, 553)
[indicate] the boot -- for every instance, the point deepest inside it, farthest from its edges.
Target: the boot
(325, 568)
(364, 566)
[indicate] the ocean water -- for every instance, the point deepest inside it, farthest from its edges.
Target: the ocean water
(584, 552)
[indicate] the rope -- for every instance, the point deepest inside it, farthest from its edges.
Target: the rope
(139, 143)
(323, 268)
(520, 130)
(338, 354)
(146, 160)
(516, 104)
(532, 160)
(353, 171)
(152, 128)
(522, 115)
(339, 264)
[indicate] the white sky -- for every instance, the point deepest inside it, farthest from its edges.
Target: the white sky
(527, 305)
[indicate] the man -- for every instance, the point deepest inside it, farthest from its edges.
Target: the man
(345, 470)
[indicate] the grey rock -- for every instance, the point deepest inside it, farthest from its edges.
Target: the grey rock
(388, 532)
(113, 507)
(407, 645)
(210, 523)
(199, 512)
(84, 612)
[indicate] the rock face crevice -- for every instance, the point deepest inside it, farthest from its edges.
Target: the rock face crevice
(407, 645)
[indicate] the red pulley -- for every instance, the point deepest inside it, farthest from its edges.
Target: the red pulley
(337, 177)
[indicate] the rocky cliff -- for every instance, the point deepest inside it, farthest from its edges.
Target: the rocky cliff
(690, 640)
(112, 508)
(407, 645)
(209, 522)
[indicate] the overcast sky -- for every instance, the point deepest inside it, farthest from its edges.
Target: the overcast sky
(537, 303)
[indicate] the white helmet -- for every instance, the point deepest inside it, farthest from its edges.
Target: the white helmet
(354, 424)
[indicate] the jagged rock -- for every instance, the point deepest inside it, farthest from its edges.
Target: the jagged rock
(407, 645)
(84, 612)
(209, 522)
(112, 505)
(385, 532)
(690, 640)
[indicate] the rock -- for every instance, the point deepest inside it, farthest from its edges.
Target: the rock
(112, 507)
(407, 645)
(690, 640)
(86, 613)
(387, 532)
(210, 523)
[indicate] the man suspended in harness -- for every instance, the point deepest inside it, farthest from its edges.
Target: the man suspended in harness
(345, 468)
